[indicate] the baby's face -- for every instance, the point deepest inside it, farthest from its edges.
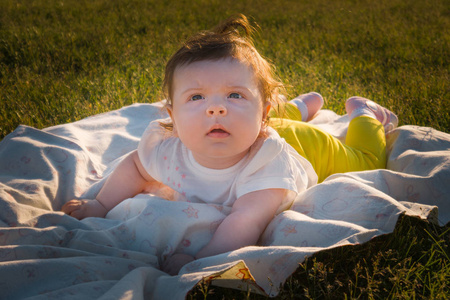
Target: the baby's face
(217, 110)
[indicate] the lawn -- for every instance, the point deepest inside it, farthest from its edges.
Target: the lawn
(61, 61)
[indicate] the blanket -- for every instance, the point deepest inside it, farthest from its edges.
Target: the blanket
(45, 254)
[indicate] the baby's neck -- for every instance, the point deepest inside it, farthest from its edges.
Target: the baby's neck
(219, 163)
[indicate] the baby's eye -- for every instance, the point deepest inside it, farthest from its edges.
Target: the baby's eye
(197, 97)
(235, 96)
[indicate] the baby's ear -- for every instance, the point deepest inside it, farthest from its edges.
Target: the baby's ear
(268, 107)
(266, 110)
(169, 111)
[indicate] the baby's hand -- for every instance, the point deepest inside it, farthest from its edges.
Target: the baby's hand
(174, 264)
(81, 209)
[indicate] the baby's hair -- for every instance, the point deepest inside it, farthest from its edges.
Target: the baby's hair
(231, 39)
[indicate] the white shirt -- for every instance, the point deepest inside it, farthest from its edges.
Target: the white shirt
(270, 163)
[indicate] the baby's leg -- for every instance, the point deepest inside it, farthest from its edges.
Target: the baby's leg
(366, 148)
(301, 108)
(366, 133)
(366, 138)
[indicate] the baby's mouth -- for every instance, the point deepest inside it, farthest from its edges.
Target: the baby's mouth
(218, 133)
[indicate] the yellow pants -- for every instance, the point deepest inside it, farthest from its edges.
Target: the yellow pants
(364, 148)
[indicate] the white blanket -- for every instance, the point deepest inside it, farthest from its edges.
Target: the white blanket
(46, 254)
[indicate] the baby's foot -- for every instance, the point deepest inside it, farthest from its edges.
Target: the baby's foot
(359, 106)
(308, 104)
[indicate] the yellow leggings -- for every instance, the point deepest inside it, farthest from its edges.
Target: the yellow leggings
(364, 148)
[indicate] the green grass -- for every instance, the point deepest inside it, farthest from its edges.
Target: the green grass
(62, 61)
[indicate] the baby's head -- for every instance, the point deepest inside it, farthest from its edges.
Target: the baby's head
(224, 42)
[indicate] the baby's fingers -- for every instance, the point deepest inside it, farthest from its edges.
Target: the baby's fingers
(81, 209)
(79, 214)
(72, 206)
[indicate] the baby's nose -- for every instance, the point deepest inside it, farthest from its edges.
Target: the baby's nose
(216, 110)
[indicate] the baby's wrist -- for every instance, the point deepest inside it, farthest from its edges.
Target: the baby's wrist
(100, 207)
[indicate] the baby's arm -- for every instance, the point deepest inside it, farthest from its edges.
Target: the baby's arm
(249, 217)
(126, 181)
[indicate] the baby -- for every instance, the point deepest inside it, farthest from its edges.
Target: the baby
(221, 147)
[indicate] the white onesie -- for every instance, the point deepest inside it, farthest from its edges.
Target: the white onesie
(270, 163)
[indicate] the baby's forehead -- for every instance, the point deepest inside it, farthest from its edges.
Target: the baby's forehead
(225, 66)
(208, 75)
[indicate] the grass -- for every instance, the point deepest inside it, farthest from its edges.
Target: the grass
(61, 61)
